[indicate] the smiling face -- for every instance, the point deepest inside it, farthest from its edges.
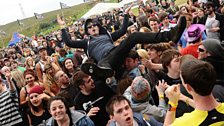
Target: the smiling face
(58, 110)
(29, 79)
(123, 114)
(69, 64)
(35, 100)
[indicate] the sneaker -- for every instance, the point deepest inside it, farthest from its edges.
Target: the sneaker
(96, 71)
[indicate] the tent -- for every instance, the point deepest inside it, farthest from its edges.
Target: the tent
(16, 37)
(100, 8)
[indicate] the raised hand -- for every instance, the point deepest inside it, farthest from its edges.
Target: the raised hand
(60, 21)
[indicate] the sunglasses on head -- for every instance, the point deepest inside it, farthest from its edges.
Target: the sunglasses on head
(201, 50)
(92, 25)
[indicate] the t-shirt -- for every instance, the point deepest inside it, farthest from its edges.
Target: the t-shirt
(214, 117)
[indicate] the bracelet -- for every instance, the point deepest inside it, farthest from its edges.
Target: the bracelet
(161, 96)
(187, 102)
(172, 104)
(172, 108)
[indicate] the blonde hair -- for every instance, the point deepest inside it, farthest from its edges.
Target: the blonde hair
(26, 62)
(18, 77)
(143, 54)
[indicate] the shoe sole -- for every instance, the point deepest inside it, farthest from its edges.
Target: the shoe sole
(95, 71)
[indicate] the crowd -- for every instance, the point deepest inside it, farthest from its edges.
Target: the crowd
(162, 67)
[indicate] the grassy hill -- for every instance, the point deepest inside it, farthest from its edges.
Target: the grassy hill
(32, 25)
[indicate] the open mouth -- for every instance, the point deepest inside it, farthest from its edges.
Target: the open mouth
(128, 119)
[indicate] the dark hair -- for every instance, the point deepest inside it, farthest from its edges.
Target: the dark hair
(112, 101)
(78, 78)
(29, 71)
(133, 54)
(167, 56)
(123, 84)
(55, 98)
(64, 68)
(159, 47)
(162, 16)
(153, 19)
(199, 75)
(209, 3)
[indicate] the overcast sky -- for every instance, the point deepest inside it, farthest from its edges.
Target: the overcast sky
(10, 9)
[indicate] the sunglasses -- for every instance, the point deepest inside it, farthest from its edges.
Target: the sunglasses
(201, 50)
(92, 25)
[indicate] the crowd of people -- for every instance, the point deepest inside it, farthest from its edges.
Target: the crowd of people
(162, 67)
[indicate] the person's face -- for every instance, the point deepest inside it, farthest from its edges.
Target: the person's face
(88, 83)
(133, 29)
(123, 114)
(200, 13)
(29, 79)
(63, 77)
(35, 100)
(208, 10)
(18, 55)
(153, 54)
(30, 62)
(175, 64)
(44, 44)
(58, 110)
(50, 71)
(130, 63)
(154, 26)
(184, 10)
(202, 52)
(69, 64)
(14, 65)
(93, 29)
(166, 21)
(43, 53)
(7, 63)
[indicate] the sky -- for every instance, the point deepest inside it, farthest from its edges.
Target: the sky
(10, 9)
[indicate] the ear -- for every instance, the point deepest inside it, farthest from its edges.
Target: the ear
(189, 88)
(111, 117)
(82, 86)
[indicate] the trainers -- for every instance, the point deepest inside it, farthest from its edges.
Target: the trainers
(96, 71)
(176, 32)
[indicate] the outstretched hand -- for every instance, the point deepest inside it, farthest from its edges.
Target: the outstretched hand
(129, 8)
(60, 21)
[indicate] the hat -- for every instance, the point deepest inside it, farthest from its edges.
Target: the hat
(36, 89)
(140, 89)
(194, 32)
(40, 48)
(214, 47)
(47, 66)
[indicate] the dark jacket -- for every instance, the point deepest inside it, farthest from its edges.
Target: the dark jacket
(88, 43)
(220, 18)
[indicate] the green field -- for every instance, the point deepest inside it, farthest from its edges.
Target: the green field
(32, 25)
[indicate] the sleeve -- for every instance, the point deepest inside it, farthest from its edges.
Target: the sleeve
(117, 34)
(85, 121)
(74, 44)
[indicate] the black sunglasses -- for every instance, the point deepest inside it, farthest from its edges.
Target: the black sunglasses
(92, 25)
(201, 50)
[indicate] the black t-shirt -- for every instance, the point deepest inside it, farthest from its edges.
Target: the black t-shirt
(101, 89)
(36, 120)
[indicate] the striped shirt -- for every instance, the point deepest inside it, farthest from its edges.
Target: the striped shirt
(9, 105)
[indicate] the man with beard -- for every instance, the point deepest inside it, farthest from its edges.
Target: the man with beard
(92, 97)
(214, 22)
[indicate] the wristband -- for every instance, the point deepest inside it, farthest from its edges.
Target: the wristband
(171, 108)
(172, 104)
(161, 96)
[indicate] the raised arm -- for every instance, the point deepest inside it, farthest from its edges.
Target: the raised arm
(117, 34)
(66, 38)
